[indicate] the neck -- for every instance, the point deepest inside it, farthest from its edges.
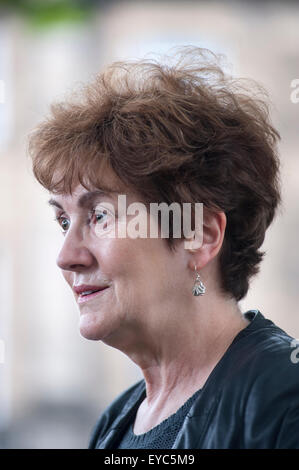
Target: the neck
(177, 351)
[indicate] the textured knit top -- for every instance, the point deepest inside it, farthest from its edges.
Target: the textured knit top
(161, 436)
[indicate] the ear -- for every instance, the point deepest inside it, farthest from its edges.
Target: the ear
(214, 224)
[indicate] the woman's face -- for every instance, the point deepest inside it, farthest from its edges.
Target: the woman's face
(140, 278)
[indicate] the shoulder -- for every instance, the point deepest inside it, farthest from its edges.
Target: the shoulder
(269, 379)
(262, 346)
(123, 401)
(270, 354)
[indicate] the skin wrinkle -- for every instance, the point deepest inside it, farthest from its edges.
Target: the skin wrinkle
(86, 200)
(188, 130)
(148, 312)
(185, 132)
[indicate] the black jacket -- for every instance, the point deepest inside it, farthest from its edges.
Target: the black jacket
(249, 401)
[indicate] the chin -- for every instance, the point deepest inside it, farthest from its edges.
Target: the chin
(90, 328)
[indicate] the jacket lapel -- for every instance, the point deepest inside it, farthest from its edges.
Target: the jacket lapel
(123, 418)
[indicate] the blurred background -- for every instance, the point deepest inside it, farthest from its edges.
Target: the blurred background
(53, 382)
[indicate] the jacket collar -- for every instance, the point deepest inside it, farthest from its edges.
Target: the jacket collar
(257, 320)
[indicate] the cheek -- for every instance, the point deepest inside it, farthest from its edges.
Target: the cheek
(135, 265)
(126, 264)
(115, 257)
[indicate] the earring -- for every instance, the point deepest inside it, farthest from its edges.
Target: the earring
(198, 288)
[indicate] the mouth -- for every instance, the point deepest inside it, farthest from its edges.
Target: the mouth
(87, 296)
(84, 294)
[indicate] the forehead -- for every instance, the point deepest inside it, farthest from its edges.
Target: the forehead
(104, 180)
(81, 197)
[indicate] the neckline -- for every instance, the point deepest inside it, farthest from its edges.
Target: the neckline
(129, 411)
(179, 413)
(253, 315)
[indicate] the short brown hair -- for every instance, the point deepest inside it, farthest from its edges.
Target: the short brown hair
(186, 133)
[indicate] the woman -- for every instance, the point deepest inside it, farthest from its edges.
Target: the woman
(214, 377)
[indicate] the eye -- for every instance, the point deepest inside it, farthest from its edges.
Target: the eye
(99, 216)
(63, 222)
(102, 220)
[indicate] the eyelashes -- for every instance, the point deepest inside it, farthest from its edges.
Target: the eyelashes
(96, 216)
(60, 219)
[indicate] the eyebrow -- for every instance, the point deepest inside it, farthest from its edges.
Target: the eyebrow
(87, 199)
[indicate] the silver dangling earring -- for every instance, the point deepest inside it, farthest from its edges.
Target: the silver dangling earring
(198, 288)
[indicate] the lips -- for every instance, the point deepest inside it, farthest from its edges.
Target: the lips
(87, 287)
(87, 291)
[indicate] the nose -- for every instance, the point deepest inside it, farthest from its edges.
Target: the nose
(74, 254)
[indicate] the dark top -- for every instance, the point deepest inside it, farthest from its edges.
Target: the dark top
(249, 401)
(161, 436)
